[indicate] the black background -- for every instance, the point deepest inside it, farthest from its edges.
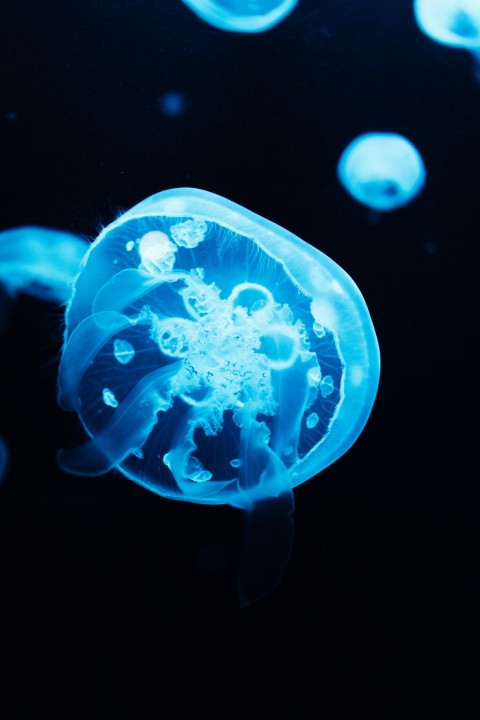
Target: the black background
(378, 607)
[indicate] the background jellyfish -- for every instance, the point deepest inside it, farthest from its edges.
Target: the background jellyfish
(452, 22)
(40, 262)
(172, 104)
(214, 357)
(381, 170)
(247, 16)
(4, 459)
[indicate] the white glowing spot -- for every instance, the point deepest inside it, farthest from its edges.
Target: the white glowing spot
(157, 252)
(123, 351)
(327, 386)
(190, 233)
(109, 398)
(312, 421)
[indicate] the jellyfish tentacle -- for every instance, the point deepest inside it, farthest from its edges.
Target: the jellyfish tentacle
(83, 345)
(130, 285)
(190, 475)
(291, 394)
(268, 534)
(128, 428)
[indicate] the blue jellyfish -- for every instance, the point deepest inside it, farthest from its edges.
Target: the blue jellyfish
(39, 261)
(247, 16)
(172, 104)
(381, 170)
(216, 358)
(455, 23)
(4, 459)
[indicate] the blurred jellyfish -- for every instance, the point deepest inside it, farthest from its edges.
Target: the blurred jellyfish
(452, 22)
(216, 358)
(4, 459)
(172, 104)
(381, 170)
(40, 262)
(247, 16)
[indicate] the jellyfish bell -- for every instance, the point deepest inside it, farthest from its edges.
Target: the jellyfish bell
(455, 23)
(41, 262)
(244, 16)
(214, 357)
(381, 170)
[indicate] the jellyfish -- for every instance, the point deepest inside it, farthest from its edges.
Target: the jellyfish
(40, 262)
(172, 104)
(213, 357)
(381, 170)
(244, 16)
(4, 459)
(455, 23)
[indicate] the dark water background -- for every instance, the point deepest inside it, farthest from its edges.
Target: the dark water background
(378, 608)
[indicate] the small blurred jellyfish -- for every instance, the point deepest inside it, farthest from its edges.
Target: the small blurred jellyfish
(244, 16)
(216, 358)
(40, 262)
(4, 459)
(381, 170)
(172, 104)
(455, 23)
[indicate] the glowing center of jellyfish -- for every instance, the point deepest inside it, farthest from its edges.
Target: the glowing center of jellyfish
(228, 350)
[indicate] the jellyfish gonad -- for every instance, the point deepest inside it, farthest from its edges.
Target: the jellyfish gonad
(39, 261)
(244, 16)
(383, 170)
(455, 23)
(216, 358)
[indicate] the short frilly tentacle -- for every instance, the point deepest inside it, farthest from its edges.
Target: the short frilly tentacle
(190, 475)
(130, 285)
(268, 535)
(84, 343)
(128, 429)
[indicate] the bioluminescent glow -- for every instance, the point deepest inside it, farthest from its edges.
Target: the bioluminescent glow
(4, 459)
(452, 22)
(40, 261)
(172, 104)
(244, 16)
(381, 170)
(216, 358)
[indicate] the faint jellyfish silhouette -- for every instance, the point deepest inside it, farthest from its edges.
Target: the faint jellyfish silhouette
(216, 358)
(381, 170)
(40, 262)
(244, 16)
(455, 23)
(172, 104)
(4, 459)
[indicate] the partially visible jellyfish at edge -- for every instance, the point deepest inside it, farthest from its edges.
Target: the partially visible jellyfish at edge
(213, 357)
(455, 23)
(41, 262)
(243, 16)
(381, 170)
(4, 459)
